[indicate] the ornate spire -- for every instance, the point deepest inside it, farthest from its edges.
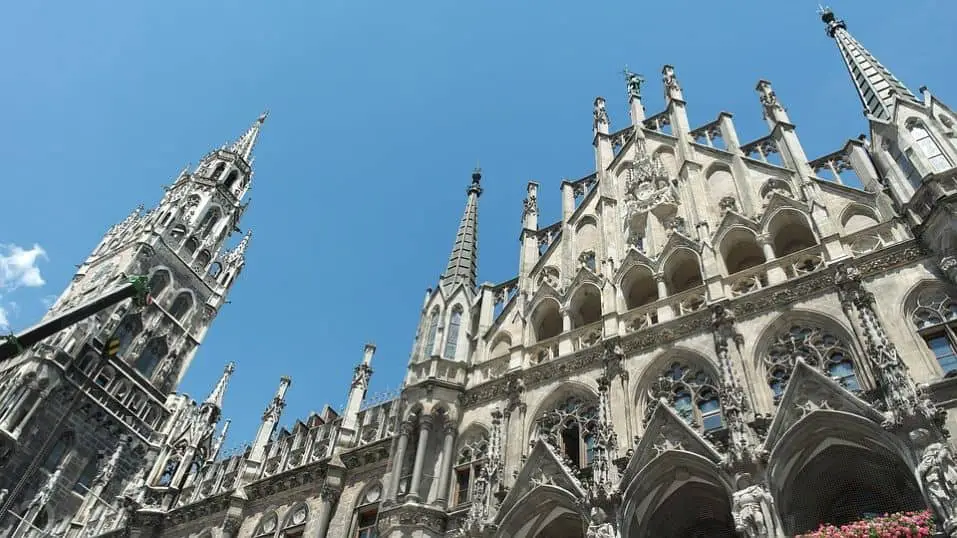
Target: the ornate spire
(215, 397)
(238, 255)
(463, 262)
(876, 85)
(244, 146)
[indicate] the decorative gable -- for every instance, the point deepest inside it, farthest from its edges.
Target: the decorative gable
(542, 468)
(730, 220)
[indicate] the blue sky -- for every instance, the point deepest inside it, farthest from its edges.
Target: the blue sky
(378, 113)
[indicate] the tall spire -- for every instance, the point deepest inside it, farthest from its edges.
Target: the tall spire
(219, 391)
(876, 85)
(463, 262)
(244, 146)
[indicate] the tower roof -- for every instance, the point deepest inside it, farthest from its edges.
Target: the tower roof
(876, 85)
(463, 261)
(245, 144)
(215, 397)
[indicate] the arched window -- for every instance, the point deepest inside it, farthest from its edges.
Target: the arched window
(569, 426)
(295, 521)
(169, 471)
(177, 233)
(231, 179)
(83, 483)
(203, 259)
(468, 467)
(819, 348)
(429, 347)
(218, 171)
(158, 282)
(215, 269)
(367, 513)
(181, 306)
(191, 245)
(693, 394)
(127, 331)
(452, 333)
(906, 166)
(155, 350)
(935, 317)
(59, 451)
(209, 221)
(928, 147)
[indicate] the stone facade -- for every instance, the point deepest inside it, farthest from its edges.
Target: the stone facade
(717, 339)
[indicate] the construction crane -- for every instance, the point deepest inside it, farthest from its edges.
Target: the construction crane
(136, 287)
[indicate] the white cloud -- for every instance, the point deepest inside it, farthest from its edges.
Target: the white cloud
(4, 323)
(18, 266)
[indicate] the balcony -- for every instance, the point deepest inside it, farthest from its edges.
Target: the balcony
(774, 272)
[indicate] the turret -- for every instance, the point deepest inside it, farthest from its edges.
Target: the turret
(266, 428)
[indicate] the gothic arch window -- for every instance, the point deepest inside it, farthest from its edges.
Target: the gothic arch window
(367, 513)
(181, 306)
(935, 316)
(928, 147)
(215, 269)
(127, 331)
(158, 282)
(155, 350)
(231, 179)
(58, 452)
(638, 287)
(209, 221)
(819, 348)
(501, 346)
(452, 334)
(218, 171)
(203, 259)
(83, 482)
(789, 233)
(429, 347)
(585, 306)
(191, 245)
(682, 271)
(295, 521)
(169, 471)
(546, 320)
(569, 427)
(177, 233)
(692, 392)
(469, 464)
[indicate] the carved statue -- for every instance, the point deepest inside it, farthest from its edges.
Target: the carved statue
(601, 115)
(599, 526)
(633, 81)
(937, 474)
(753, 510)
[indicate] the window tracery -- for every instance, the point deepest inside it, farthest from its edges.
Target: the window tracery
(935, 317)
(570, 428)
(692, 392)
(819, 348)
(430, 337)
(928, 147)
(452, 335)
(468, 467)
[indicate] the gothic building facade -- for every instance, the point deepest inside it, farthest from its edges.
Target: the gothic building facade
(716, 339)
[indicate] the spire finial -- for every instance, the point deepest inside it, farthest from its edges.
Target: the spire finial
(244, 146)
(219, 391)
(463, 260)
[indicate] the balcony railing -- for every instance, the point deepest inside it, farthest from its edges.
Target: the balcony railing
(785, 268)
(673, 306)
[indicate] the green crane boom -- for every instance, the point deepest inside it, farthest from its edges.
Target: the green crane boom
(135, 287)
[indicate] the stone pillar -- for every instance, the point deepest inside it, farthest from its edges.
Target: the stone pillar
(327, 496)
(448, 445)
(776, 275)
(405, 430)
(425, 426)
(665, 312)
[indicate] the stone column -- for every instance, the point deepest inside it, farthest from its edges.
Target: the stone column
(327, 496)
(425, 426)
(665, 312)
(448, 445)
(776, 275)
(405, 430)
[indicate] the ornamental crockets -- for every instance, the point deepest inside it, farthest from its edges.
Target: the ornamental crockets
(603, 499)
(903, 402)
(488, 489)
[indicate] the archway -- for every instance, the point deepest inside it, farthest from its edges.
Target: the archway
(740, 251)
(790, 233)
(544, 512)
(638, 287)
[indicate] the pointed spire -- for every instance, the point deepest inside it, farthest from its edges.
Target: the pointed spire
(876, 85)
(463, 262)
(219, 391)
(238, 255)
(244, 146)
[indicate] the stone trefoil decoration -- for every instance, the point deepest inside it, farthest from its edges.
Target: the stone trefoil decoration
(906, 405)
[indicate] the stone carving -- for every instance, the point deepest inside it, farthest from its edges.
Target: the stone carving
(599, 526)
(769, 100)
(948, 266)
(530, 204)
(361, 376)
(633, 81)
(752, 508)
(600, 114)
(672, 89)
(728, 203)
(937, 474)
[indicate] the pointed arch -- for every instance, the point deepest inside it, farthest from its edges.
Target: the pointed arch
(543, 512)
(566, 420)
(181, 306)
(366, 511)
(191, 245)
(790, 231)
(471, 456)
(131, 326)
(268, 524)
(231, 180)
(740, 250)
(837, 467)
(159, 281)
(452, 332)
(688, 381)
(821, 341)
(501, 345)
(584, 305)
(856, 217)
(931, 309)
(218, 171)
(638, 286)
(156, 349)
(546, 319)
(202, 260)
(681, 270)
(429, 346)
(210, 220)
(296, 517)
(59, 452)
(721, 184)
